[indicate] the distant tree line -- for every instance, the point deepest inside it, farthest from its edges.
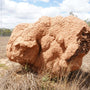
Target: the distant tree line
(5, 32)
(88, 22)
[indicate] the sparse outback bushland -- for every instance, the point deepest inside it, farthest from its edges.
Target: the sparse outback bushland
(14, 76)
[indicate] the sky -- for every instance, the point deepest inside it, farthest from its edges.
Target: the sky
(13, 12)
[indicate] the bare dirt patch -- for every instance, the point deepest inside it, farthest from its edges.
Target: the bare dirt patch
(3, 43)
(86, 63)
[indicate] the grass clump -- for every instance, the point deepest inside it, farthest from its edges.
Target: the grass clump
(3, 66)
(26, 80)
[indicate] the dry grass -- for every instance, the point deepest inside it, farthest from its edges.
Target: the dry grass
(14, 77)
(18, 79)
(3, 43)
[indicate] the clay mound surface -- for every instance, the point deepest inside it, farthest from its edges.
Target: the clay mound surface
(50, 43)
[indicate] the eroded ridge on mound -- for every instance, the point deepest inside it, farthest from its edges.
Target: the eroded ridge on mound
(50, 43)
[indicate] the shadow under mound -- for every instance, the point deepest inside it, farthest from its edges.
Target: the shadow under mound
(80, 77)
(26, 69)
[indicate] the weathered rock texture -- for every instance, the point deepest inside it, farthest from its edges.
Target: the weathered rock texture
(50, 43)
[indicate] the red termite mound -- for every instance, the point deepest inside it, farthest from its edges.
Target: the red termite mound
(50, 43)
